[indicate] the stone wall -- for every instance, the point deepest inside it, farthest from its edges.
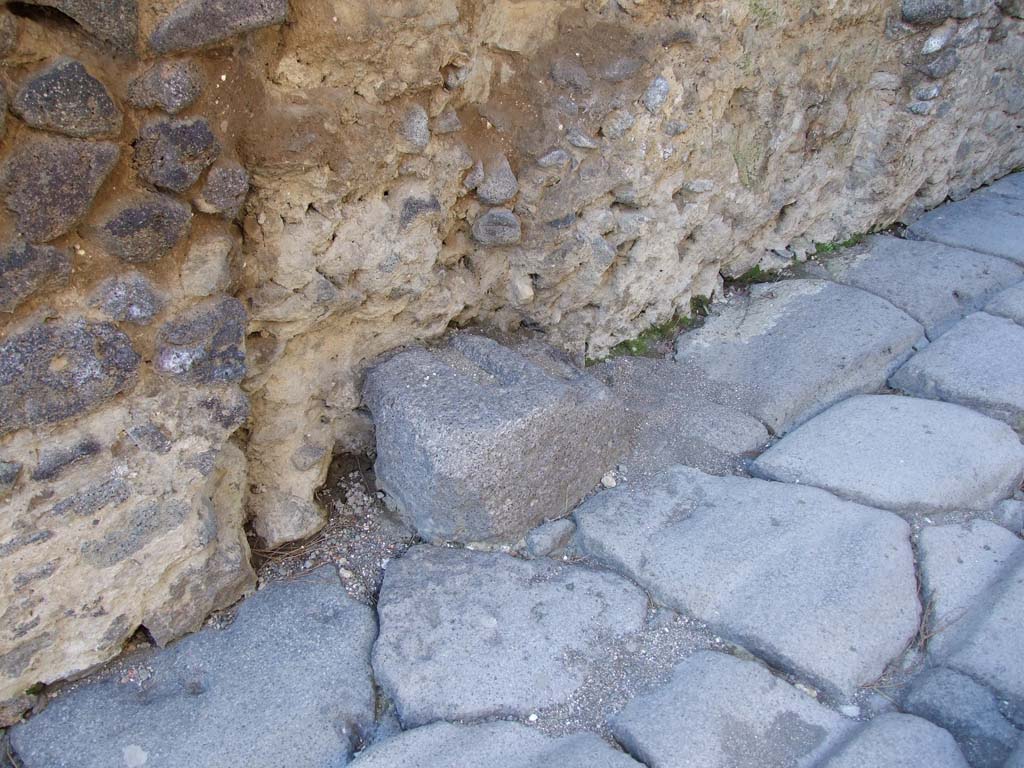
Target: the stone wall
(216, 213)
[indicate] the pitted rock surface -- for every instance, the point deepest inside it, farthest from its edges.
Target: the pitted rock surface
(469, 635)
(198, 23)
(130, 298)
(25, 269)
(65, 98)
(1009, 303)
(172, 154)
(205, 344)
(115, 22)
(167, 85)
(899, 740)
(144, 228)
(224, 190)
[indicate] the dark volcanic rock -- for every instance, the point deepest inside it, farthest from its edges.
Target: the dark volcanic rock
(172, 154)
(224, 191)
(498, 226)
(145, 228)
(198, 23)
(54, 371)
(25, 268)
(50, 182)
(205, 344)
(115, 22)
(129, 298)
(65, 98)
(167, 85)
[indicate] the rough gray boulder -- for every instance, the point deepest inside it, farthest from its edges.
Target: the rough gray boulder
(817, 586)
(899, 741)
(172, 154)
(50, 182)
(720, 712)
(198, 23)
(793, 348)
(985, 221)
(469, 635)
(676, 420)
(115, 22)
(27, 268)
(288, 683)
(128, 298)
(167, 85)
(497, 226)
(1009, 303)
(967, 710)
(934, 284)
(979, 363)
(224, 190)
(902, 454)
(205, 344)
(480, 442)
(145, 227)
(65, 98)
(489, 745)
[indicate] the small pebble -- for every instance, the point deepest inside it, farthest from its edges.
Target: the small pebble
(608, 481)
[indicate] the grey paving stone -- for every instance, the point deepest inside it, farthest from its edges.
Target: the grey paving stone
(794, 348)
(490, 745)
(990, 223)
(550, 538)
(479, 442)
(720, 712)
(934, 284)
(1017, 758)
(899, 741)
(677, 422)
(470, 635)
(1009, 303)
(979, 363)
(288, 683)
(960, 564)
(967, 710)
(1010, 186)
(901, 453)
(814, 585)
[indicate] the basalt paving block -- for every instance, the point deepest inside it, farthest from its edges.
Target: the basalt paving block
(791, 349)
(288, 683)
(817, 586)
(720, 712)
(979, 364)
(985, 221)
(901, 453)
(490, 745)
(480, 442)
(934, 284)
(468, 635)
(899, 741)
(1009, 303)
(1009, 186)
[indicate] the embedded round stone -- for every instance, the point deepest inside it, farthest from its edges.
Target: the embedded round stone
(472, 635)
(65, 98)
(499, 184)
(115, 22)
(224, 190)
(167, 85)
(144, 228)
(26, 268)
(901, 453)
(498, 226)
(172, 154)
(128, 298)
(198, 23)
(51, 181)
(205, 344)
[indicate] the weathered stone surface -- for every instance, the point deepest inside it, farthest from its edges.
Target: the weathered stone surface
(497, 226)
(53, 371)
(676, 421)
(26, 268)
(1010, 515)
(129, 298)
(224, 190)
(205, 344)
(53, 461)
(65, 98)
(934, 284)
(280, 517)
(899, 740)
(172, 154)
(796, 347)
(144, 227)
(815, 585)
(50, 182)
(656, 94)
(443, 612)
(550, 538)
(902, 454)
(167, 85)
(1017, 758)
(1010, 186)
(967, 710)
(288, 681)
(510, 745)
(207, 267)
(414, 129)
(719, 712)
(985, 222)
(499, 441)
(8, 34)
(115, 22)
(1009, 303)
(499, 184)
(979, 363)
(198, 23)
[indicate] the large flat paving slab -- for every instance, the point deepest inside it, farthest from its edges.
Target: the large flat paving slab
(478, 442)
(490, 745)
(1011, 185)
(979, 363)
(791, 349)
(288, 683)
(718, 711)
(817, 586)
(677, 421)
(934, 284)
(985, 221)
(470, 635)
(901, 453)
(1009, 304)
(896, 740)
